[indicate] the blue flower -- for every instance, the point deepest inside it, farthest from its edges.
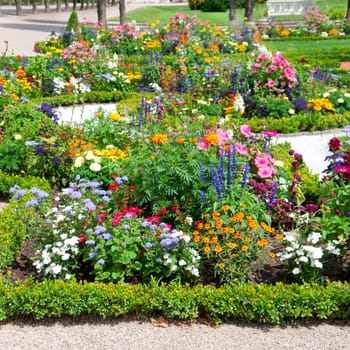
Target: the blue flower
(148, 245)
(90, 242)
(100, 229)
(19, 194)
(101, 261)
(107, 236)
(92, 255)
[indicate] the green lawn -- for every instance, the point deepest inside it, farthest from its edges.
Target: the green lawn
(149, 14)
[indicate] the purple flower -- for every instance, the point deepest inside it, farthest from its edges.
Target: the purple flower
(90, 242)
(19, 194)
(100, 229)
(107, 236)
(33, 202)
(148, 245)
(76, 195)
(101, 261)
(89, 204)
(123, 244)
(92, 255)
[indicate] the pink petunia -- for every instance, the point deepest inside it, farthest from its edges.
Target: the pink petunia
(261, 162)
(245, 130)
(270, 83)
(265, 172)
(202, 144)
(241, 149)
(223, 136)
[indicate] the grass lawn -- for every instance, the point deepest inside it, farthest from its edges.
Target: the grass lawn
(331, 51)
(150, 14)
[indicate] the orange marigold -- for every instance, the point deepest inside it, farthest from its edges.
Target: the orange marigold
(158, 139)
(263, 242)
(244, 248)
(221, 265)
(231, 245)
(206, 249)
(218, 249)
(212, 139)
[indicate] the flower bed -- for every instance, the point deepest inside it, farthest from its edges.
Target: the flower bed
(182, 182)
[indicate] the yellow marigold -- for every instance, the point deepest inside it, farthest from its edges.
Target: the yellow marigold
(244, 248)
(231, 245)
(253, 224)
(114, 116)
(218, 249)
(247, 239)
(231, 230)
(196, 233)
(206, 249)
(225, 230)
(272, 255)
(225, 207)
(200, 225)
(221, 265)
(285, 33)
(207, 226)
(206, 215)
(212, 139)
(205, 240)
(196, 239)
(211, 232)
(158, 139)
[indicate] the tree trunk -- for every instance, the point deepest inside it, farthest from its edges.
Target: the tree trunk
(74, 4)
(47, 6)
(66, 4)
(101, 13)
(18, 8)
(232, 13)
(34, 6)
(58, 5)
(122, 11)
(248, 11)
(347, 17)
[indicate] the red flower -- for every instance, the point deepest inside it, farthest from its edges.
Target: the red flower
(82, 239)
(334, 144)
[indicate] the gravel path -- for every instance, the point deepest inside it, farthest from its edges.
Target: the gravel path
(136, 335)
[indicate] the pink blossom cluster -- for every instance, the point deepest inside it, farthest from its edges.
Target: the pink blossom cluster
(78, 52)
(124, 31)
(314, 17)
(274, 73)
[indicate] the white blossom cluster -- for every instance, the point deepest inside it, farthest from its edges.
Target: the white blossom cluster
(306, 253)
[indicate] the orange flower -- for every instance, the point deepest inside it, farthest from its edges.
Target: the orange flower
(231, 230)
(219, 224)
(212, 139)
(196, 239)
(158, 139)
(225, 207)
(196, 233)
(218, 249)
(20, 73)
(205, 239)
(211, 232)
(181, 140)
(279, 236)
(263, 243)
(244, 248)
(272, 255)
(213, 240)
(238, 235)
(207, 226)
(247, 239)
(206, 249)
(221, 265)
(200, 225)
(231, 245)
(225, 230)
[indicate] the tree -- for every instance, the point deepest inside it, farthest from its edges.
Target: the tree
(122, 11)
(232, 12)
(18, 8)
(101, 12)
(347, 17)
(248, 11)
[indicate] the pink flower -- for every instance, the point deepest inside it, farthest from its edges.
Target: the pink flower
(202, 145)
(270, 83)
(270, 133)
(265, 172)
(223, 136)
(245, 130)
(261, 162)
(241, 149)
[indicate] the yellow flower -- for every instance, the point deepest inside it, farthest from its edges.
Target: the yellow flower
(222, 265)
(218, 249)
(212, 139)
(231, 245)
(244, 248)
(114, 116)
(206, 249)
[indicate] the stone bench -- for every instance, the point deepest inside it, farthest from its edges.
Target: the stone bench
(287, 7)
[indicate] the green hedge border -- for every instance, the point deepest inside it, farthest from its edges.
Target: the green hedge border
(279, 304)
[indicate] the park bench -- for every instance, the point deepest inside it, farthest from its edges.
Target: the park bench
(288, 7)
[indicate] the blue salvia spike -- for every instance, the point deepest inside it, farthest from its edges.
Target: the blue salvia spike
(234, 161)
(245, 174)
(229, 172)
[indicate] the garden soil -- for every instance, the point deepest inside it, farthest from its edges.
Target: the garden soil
(21, 33)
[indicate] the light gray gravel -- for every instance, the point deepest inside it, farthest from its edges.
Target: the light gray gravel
(137, 335)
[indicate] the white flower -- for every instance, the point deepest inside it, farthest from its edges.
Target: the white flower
(314, 253)
(291, 111)
(340, 100)
(326, 94)
(182, 262)
(314, 237)
(239, 104)
(347, 94)
(89, 155)
(324, 34)
(279, 164)
(79, 161)
(195, 272)
(303, 259)
(17, 137)
(188, 220)
(296, 271)
(317, 263)
(95, 167)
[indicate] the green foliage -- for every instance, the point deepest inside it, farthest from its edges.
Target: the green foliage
(73, 22)
(279, 304)
(214, 5)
